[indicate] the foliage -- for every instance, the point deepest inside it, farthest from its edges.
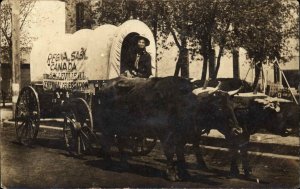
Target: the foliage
(26, 7)
(261, 27)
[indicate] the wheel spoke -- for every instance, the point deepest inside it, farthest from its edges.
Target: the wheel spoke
(66, 134)
(21, 125)
(79, 117)
(22, 132)
(83, 143)
(83, 133)
(27, 115)
(33, 129)
(29, 130)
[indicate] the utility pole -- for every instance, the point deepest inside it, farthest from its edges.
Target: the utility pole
(16, 74)
(0, 58)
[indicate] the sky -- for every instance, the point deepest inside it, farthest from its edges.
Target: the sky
(47, 18)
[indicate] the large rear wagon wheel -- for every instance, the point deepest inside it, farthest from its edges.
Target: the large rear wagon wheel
(27, 116)
(78, 128)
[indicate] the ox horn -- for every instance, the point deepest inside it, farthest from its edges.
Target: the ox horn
(216, 88)
(231, 93)
(208, 90)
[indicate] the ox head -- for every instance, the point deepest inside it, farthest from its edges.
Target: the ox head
(278, 116)
(216, 110)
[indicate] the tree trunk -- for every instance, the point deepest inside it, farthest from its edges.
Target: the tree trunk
(177, 67)
(218, 62)
(204, 68)
(257, 75)
(276, 74)
(154, 25)
(185, 63)
(10, 54)
(235, 62)
(182, 64)
(211, 63)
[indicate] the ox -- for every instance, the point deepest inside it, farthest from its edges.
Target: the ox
(164, 108)
(277, 116)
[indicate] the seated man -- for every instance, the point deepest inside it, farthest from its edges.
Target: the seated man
(138, 62)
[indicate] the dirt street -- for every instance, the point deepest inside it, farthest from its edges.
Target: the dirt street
(47, 164)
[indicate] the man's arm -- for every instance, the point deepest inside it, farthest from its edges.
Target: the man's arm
(128, 70)
(148, 66)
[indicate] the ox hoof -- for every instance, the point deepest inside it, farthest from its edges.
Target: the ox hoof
(184, 175)
(124, 166)
(248, 173)
(234, 173)
(172, 174)
(182, 171)
(202, 166)
(108, 162)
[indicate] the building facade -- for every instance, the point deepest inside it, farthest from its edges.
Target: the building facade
(78, 15)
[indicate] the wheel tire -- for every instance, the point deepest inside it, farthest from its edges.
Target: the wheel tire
(27, 116)
(78, 127)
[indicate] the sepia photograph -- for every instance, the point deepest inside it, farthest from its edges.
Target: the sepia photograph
(149, 94)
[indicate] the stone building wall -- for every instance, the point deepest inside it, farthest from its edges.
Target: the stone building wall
(78, 15)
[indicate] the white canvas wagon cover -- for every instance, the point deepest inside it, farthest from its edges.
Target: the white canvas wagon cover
(69, 61)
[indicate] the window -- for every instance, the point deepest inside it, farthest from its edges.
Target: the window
(79, 16)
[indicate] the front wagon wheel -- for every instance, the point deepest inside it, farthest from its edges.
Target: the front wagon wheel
(78, 127)
(27, 116)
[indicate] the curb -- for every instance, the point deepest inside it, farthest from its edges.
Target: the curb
(266, 145)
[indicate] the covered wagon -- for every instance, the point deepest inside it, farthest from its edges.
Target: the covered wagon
(66, 71)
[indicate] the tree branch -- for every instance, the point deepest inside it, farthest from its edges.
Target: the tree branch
(175, 38)
(30, 7)
(5, 35)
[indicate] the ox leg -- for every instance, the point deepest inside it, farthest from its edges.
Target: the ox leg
(234, 170)
(245, 160)
(199, 156)
(123, 154)
(106, 142)
(169, 151)
(181, 163)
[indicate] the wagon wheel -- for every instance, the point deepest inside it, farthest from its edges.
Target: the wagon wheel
(78, 128)
(27, 115)
(142, 146)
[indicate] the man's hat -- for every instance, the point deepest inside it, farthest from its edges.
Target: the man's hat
(138, 37)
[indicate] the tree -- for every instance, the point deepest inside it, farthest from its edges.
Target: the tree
(178, 16)
(213, 27)
(203, 26)
(118, 11)
(111, 12)
(26, 7)
(263, 29)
